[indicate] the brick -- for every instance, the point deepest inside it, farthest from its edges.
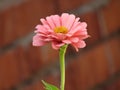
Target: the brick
(101, 64)
(28, 14)
(49, 55)
(66, 5)
(79, 75)
(93, 26)
(115, 85)
(21, 26)
(115, 49)
(40, 57)
(20, 20)
(88, 70)
(28, 87)
(39, 9)
(33, 55)
(38, 86)
(1, 31)
(23, 63)
(7, 22)
(9, 73)
(34, 86)
(118, 84)
(51, 78)
(111, 15)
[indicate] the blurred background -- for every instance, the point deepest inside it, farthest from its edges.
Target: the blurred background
(22, 66)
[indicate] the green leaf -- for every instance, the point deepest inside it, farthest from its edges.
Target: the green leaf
(49, 86)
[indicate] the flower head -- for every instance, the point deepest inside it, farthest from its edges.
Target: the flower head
(61, 30)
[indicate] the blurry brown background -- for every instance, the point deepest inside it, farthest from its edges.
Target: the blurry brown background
(96, 67)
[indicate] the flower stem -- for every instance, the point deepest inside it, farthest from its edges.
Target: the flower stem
(62, 65)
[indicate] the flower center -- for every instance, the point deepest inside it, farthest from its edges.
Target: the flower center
(61, 30)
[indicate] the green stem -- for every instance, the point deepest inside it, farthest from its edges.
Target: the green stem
(62, 65)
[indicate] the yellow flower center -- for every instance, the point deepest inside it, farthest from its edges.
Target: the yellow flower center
(61, 30)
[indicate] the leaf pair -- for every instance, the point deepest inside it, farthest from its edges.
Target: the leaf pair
(49, 86)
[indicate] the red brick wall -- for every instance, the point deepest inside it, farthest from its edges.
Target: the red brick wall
(22, 66)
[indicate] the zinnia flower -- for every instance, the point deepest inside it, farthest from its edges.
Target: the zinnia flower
(61, 30)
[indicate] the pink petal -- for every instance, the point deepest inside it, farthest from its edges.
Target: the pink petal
(40, 29)
(56, 20)
(37, 41)
(84, 24)
(54, 46)
(75, 23)
(74, 39)
(83, 37)
(80, 44)
(76, 20)
(44, 22)
(48, 28)
(38, 26)
(76, 48)
(70, 21)
(59, 36)
(48, 39)
(80, 29)
(80, 33)
(71, 40)
(57, 45)
(66, 41)
(77, 28)
(50, 22)
(64, 18)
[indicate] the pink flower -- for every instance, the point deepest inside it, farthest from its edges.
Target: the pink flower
(61, 30)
